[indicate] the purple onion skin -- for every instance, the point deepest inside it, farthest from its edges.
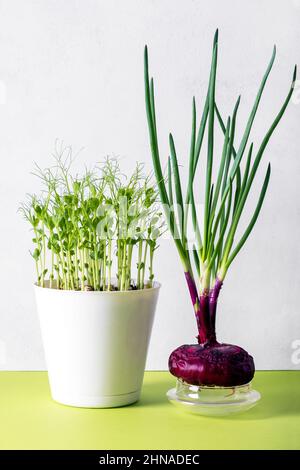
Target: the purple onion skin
(214, 364)
(210, 363)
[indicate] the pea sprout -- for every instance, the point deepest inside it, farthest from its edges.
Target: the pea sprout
(88, 228)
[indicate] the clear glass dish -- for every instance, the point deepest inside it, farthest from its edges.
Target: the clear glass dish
(213, 401)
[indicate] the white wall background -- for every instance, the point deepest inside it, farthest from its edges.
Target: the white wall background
(73, 70)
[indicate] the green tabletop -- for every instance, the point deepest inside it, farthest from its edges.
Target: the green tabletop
(29, 419)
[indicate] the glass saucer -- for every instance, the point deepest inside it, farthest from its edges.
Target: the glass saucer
(213, 401)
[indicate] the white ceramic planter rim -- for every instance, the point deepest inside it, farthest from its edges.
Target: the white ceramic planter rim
(156, 285)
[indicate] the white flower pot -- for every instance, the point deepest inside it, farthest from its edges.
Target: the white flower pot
(96, 344)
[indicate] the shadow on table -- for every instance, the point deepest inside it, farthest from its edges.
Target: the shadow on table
(274, 403)
(154, 394)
